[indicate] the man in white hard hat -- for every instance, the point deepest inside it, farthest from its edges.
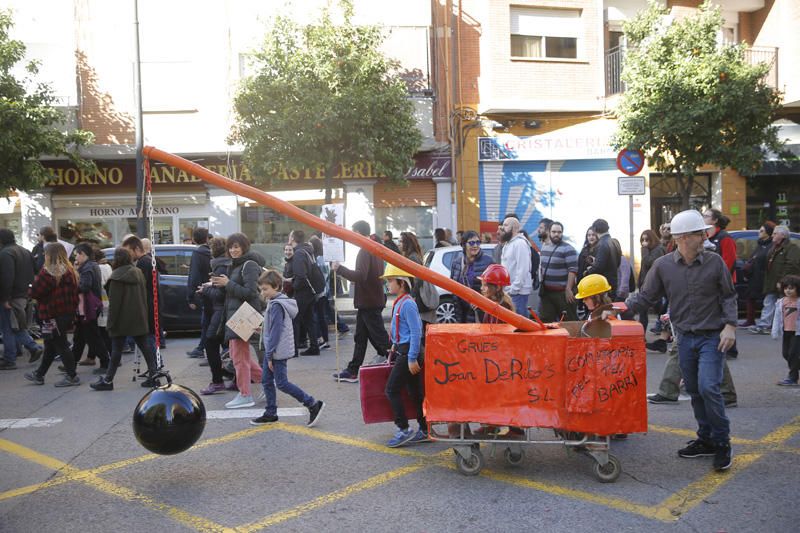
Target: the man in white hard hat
(702, 302)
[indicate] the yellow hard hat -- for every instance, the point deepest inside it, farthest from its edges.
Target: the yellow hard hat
(591, 285)
(392, 271)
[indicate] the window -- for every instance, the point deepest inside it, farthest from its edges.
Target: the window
(545, 33)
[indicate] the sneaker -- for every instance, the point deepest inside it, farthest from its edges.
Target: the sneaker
(213, 388)
(151, 383)
(722, 457)
(101, 384)
(787, 383)
(35, 378)
(420, 436)
(730, 404)
(67, 381)
(401, 437)
(263, 419)
(7, 365)
(658, 399)
(325, 346)
(658, 345)
(697, 448)
(100, 371)
(757, 330)
(127, 349)
(204, 362)
(745, 323)
(35, 355)
(310, 351)
(313, 413)
(196, 353)
(240, 401)
(345, 376)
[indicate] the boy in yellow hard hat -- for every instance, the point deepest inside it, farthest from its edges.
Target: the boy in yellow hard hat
(406, 338)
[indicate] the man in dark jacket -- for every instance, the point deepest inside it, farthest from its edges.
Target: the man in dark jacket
(16, 274)
(607, 256)
(783, 259)
(302, 263)
(369, 301)
(144, 262)
(388, 241)
(199, 273)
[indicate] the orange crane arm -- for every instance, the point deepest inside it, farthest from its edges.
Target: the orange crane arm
(352, 237)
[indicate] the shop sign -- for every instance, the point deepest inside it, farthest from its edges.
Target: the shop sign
(65, 177)
(545, 147)
(129, 212)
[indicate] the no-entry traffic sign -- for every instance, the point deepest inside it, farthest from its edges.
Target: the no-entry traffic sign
(630, 162)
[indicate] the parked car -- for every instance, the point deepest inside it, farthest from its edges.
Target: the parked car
(746, 242)
(175, 313)
(439, 260)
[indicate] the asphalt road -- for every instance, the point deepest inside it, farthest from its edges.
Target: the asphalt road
(87, 473)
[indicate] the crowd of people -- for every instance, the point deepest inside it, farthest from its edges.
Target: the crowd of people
(111, 306)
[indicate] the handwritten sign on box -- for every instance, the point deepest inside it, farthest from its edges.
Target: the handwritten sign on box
(245, 321)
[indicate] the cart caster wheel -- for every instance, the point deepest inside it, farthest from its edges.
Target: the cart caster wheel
(471, 466)
(609, 472)
(514, 458)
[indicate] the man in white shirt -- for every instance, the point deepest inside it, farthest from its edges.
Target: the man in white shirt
(516, 258)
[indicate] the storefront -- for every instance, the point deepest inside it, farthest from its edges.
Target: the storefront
(101, 207)
(568, 175)
(774, 193)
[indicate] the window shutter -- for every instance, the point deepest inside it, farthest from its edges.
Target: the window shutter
(418, 193)
(545, 22)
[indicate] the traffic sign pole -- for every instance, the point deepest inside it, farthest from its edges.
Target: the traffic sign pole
(630, 187)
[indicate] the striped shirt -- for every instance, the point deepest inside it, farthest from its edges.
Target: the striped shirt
(557, 262)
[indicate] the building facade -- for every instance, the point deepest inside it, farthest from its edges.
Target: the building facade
(193, 56)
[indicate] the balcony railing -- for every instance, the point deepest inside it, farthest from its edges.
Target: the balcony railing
(753, 55)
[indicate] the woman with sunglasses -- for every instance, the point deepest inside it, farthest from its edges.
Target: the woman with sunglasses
(466, 268)
(651, 250)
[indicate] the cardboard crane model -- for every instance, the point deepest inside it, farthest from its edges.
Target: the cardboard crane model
(521, 373)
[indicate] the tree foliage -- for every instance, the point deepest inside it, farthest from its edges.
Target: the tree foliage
(690, 101)
(30, 125)
(324, 94)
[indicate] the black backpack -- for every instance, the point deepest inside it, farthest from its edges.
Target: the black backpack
(316, 279)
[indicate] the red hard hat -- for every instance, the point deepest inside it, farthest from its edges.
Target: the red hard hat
(496, 275)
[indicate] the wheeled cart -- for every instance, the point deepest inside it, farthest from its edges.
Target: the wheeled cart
(491, 386)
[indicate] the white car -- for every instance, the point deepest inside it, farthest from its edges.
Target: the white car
(439, 260)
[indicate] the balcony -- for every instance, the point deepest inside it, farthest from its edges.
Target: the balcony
(753, 55)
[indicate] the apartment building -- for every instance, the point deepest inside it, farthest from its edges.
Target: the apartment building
(534, 84)
(193, 55)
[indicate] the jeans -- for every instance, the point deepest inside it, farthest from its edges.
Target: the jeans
(278, 377)
(13, 339)
(246, 367)
(702, 364)
(671, 379)
(768, 311)
(521, 304)
(399, 378)
(369, 327)
(118, 343)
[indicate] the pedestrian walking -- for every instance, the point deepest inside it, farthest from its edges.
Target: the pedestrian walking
(321, 299)
(213, 298)
(517, 261)
(369, 301)
(241, 285)
(388, 241)
(783, 259)
(587, 253)
(411, 249)
(55, 290)
(651, 250)
(144, 262)
(559, 271)
(703, 313)
(199, 273)
(607, 256)
(754, 269)
(127, 317)
(277, 337)
(784, 327)
(305, 294)
(494, 280)
(90, 307)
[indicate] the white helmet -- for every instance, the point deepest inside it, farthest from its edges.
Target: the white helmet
(687, 222)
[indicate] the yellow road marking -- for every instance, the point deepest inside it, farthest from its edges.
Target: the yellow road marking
(693, 434)
(349, 441)
(688, 497)
(327, 499)
(783, 433)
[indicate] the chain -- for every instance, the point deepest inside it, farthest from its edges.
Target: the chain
(149, 203)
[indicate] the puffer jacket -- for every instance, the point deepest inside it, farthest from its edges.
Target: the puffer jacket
(242, 286)
(215, 297)
(127, 299)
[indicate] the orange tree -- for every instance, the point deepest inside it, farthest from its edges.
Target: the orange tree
(690, 100)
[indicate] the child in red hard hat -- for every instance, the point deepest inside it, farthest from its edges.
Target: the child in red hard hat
(493, 279)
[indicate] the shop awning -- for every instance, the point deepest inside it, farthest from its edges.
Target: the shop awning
(773, 165)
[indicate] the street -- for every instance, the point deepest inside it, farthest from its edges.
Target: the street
(79, 468)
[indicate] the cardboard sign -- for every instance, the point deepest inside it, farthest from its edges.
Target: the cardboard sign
(495, 375)
(245, 321)
(333, 248)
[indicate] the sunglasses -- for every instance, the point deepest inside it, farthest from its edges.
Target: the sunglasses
(473, 243)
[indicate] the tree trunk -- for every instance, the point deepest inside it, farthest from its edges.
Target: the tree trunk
(685, 186)
(329, 172)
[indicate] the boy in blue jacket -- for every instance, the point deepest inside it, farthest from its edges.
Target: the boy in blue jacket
(277, 336)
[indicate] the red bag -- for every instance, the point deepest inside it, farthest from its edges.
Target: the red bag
(375, 406)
